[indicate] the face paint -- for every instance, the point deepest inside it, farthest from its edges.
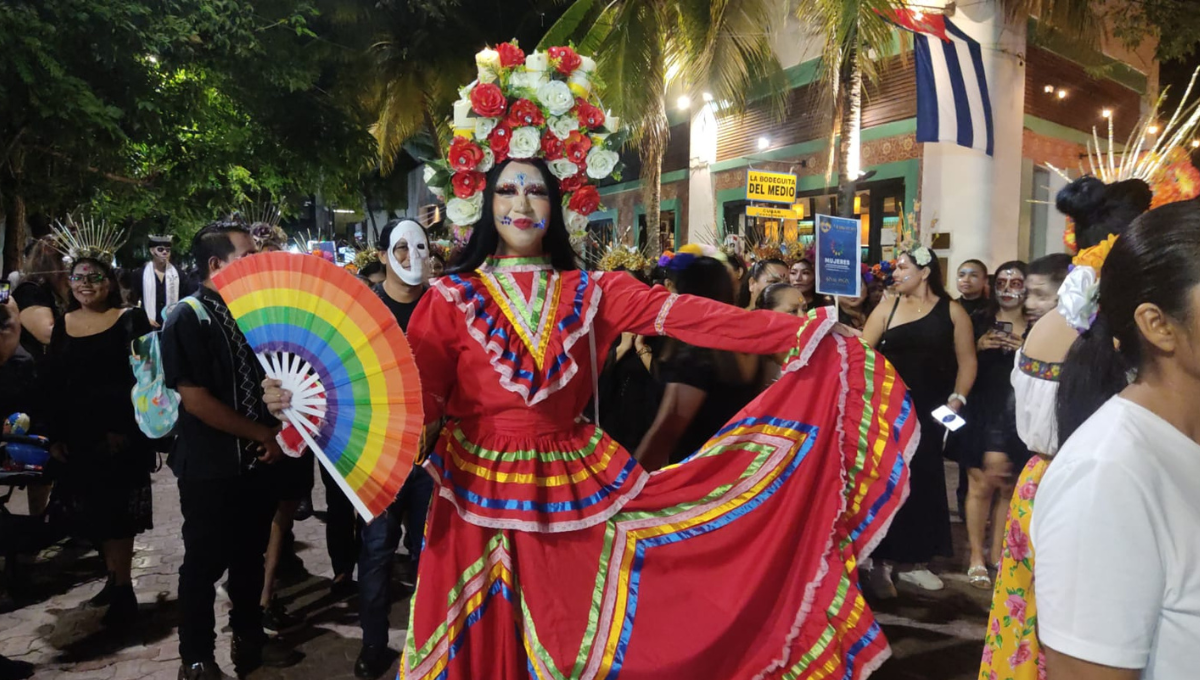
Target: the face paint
(418, 252)
(541, 224)
(522, 178)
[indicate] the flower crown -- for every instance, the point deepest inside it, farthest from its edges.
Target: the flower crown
(87, 238)
(538, 106)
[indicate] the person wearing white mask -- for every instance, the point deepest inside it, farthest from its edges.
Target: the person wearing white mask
(407, 264)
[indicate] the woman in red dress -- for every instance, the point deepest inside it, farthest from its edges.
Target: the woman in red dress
(549, 552)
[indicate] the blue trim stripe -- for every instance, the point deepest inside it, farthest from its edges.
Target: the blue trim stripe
(977, 63)
(962, 105)
(534, 506)
(499, 587)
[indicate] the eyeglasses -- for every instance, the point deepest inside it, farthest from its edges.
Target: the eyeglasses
(86, 278)
(161, 250)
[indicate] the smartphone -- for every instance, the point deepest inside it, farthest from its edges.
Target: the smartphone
(949, 419)
(3, 293)
(1005, 327)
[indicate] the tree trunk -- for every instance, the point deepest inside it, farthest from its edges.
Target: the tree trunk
(652, 147)
(850, 93)
(14, 223)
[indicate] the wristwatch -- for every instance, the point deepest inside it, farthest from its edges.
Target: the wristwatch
(959, 397)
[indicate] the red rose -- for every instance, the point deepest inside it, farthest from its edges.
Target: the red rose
(590, 116)
(552, 147)
(577, 147)
(585, 200)
(572, 183)
(465, 154)
(525, 113)
(467, 184)
(499, 140)
(565, 59)
(488, 101)
(510, 55)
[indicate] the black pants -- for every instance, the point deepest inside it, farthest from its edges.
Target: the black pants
(226, 526)
(343, 528)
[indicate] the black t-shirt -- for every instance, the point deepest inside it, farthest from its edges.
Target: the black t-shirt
(698, 367)
(201, 354)
(973, 306)
(31, 294)
(403, 311)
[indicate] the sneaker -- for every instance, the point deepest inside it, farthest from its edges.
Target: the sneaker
(373, 662)
(923, 579)
(880, 581)
(205, 670)
(277, 620)
(249, 656)
(304, 511)
(343, 588)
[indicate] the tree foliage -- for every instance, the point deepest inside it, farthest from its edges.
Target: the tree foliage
(172, 111)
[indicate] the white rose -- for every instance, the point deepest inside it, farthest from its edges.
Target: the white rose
(600, 162)
(484, 127)
(527, 80)
(488, 61)
(563, 126)
(462, 115)
(465, 211)
(538, 61)
(562, 168)
(575, 221)
(489, 159)
(556, 96)
(525, 143)
(1078, 299)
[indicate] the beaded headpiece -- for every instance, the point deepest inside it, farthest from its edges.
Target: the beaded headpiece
(86, 238)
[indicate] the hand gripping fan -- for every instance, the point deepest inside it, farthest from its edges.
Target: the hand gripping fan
(356, 396)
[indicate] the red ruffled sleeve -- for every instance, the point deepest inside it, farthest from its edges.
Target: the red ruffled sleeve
(632, 306)
(433, 338)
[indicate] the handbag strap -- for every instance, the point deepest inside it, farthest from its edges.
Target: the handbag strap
(595, 378)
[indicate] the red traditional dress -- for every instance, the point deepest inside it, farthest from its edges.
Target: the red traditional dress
(550, 553)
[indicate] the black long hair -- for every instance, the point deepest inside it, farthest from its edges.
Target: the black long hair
(935, 282)
(114, 298)
(1156, 261)
(485, 239)
(1100, 209)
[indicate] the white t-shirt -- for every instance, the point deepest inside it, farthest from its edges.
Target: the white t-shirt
(1116, 535)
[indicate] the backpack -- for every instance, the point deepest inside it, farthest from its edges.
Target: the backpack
(155, 405)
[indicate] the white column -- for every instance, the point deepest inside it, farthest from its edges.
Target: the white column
(702, 204)
(974, 197)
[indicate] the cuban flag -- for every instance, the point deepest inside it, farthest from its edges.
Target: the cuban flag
(952, 93)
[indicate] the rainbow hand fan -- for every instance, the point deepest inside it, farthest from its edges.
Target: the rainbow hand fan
(356, 397)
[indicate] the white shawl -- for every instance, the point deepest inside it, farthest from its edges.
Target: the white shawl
(150, 290)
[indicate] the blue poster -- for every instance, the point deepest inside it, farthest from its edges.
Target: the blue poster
(838, 255)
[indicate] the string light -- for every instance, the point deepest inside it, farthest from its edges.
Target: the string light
(683, 102)
(1062, 94)
(1049, 89)
(763, 143)
(1196, 143)
(1106, 113)
(1153, 129)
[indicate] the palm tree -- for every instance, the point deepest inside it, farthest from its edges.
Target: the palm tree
(643, 46)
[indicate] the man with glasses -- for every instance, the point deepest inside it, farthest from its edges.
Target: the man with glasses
(160, 281)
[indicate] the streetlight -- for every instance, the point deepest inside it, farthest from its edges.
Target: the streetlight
(1106, 113)
(763, 143)
(1196, 143)
(684, 102)
(1153, 129)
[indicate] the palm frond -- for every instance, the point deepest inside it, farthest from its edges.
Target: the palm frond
(734, 55)
(578, 17)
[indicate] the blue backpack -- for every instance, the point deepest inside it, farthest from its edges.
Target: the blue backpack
(155, 405)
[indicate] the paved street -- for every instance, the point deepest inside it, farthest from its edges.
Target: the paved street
(934, 636)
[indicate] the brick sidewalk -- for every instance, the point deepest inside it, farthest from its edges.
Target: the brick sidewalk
(935, 636)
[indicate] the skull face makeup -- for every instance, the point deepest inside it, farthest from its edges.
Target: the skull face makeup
(410, 269)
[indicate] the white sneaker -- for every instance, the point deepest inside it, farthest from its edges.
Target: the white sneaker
(880, 581)
(923, 579)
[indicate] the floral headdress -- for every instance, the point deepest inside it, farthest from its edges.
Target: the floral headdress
(87, 238)
(538, 106)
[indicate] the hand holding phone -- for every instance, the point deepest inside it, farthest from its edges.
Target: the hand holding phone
(948, 418)
(4, 293)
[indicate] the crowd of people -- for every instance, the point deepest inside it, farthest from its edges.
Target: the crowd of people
(744, 437)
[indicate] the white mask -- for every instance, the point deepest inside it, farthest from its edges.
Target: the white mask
(418, 252)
